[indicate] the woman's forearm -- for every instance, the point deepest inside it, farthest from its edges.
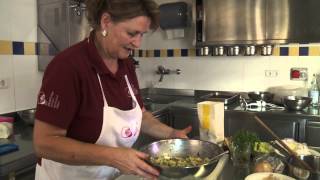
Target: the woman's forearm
(153, 127)
(50, 143)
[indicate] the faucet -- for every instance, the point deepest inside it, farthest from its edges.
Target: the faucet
(163, 71)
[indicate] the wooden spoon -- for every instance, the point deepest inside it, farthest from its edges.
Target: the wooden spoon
(284, 145)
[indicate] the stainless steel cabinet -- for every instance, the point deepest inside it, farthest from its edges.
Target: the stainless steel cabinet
(313, 133)
(165, 117)
(285, 126)
(183, 117)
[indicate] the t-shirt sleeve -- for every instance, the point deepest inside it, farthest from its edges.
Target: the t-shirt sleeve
(58, 98)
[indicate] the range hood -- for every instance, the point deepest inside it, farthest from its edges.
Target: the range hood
(259, 23)
(222, 27)
(61, 23)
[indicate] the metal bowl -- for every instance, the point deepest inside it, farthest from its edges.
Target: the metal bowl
(27, 116)
(296, 171)
(261, 96)
(184, 148)
(296, 103)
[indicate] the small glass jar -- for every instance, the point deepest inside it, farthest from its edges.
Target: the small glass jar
(241, 155)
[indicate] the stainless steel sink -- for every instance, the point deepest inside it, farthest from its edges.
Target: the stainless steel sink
(165, 96)
(160, 99)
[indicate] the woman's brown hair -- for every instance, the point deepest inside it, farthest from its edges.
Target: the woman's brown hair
(121, 10)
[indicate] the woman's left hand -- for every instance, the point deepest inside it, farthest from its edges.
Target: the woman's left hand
(181, 133)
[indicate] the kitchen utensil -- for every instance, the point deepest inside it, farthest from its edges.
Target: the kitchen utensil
(291, 153)
(206, 51)
(296, 103)
(266, 50)
(217, 157)
(184, 148)
(250, 50)
(233, 50)
(261, 96)
(295, 170)
(218, 51)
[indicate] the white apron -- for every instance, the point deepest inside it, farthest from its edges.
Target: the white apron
(119, 129)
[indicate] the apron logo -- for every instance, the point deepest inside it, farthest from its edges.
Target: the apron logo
(135, 91)
(126, 132)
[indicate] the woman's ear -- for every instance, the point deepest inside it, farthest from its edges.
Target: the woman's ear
(105, 20)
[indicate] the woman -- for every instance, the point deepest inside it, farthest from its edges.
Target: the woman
(89, 110)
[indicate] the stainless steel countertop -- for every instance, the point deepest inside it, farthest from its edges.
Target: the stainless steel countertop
(25, 156)
(189, 99)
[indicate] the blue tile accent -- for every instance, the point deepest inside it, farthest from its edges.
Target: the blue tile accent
(18, 48)
(303, 51)
(37, 48)
(140, 53)
(184, 52)
(156, 53)
(170, 52)
(284, 51)
(198, 52)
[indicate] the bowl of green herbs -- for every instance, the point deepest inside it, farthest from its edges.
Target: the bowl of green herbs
(241, 147)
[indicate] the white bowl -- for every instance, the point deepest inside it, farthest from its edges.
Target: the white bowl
(265, 175)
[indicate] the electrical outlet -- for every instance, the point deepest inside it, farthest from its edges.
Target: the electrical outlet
(299, 74)
(271, 73)
(4, 83)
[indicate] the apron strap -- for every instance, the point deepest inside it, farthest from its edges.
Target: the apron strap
(130, 89)
(104, 97)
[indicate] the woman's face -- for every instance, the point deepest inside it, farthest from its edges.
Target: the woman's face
(125, 36)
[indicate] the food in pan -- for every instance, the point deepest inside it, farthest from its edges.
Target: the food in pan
(189, 161)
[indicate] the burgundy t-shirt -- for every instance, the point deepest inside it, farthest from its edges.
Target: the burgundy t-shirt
(70, 96)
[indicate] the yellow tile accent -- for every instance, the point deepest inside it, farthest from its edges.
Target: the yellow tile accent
(293, 51)
(150, 53)
(276, 51)
(6, 47)
(136, 52)
(192, 52)
(163, 53)
(176, 52)
(29, 48)
(144, 53)
(314, 50)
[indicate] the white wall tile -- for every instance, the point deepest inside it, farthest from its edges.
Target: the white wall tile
(27, 81)
(225, 73)
(7, 98)
(6, 19)
(24, 16)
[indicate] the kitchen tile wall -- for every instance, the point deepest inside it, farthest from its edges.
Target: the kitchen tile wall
(221, 73)
(18, 20)
(18, 62)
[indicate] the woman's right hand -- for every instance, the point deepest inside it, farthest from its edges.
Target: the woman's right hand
(130, 161)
